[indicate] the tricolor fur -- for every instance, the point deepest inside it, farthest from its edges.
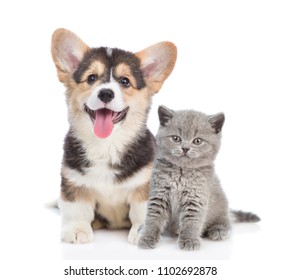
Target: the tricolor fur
(108, 151)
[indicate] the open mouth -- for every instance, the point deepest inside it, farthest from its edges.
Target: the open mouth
(105, 119)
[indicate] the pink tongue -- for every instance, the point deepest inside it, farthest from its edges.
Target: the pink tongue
(103, 124)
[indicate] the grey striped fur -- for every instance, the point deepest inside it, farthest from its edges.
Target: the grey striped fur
(186, 198)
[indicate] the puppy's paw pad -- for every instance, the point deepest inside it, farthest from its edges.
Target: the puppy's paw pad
(189, 244)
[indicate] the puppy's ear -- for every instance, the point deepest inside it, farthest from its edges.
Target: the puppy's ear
(67, 50)
(157, 63)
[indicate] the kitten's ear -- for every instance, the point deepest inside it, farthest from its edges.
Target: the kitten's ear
(67, 51)
(157, 63)
(217, 122)
(165, 114)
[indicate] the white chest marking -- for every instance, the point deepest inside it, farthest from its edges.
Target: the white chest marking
(102, 179)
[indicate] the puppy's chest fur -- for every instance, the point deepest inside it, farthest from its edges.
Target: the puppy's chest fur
(108, 171)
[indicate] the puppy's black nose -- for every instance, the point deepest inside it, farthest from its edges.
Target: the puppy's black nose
(106, 95)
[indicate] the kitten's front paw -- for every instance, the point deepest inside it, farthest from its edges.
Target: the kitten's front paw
(147, 242)
(189, 244)
(77, 234)
(218, 232)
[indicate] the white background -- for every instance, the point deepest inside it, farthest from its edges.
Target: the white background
(229, 59)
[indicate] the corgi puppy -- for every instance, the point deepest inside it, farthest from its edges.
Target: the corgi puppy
(108, 150)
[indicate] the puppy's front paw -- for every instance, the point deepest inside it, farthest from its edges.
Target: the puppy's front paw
(147, 242)
(77, 234)
(189, 243)
(134, 235)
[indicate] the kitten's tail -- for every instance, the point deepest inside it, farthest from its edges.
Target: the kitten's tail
(244, 217)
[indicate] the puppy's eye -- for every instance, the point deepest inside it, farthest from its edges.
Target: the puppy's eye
(125, 82)
(91, 79)
(176, 139)
(198, 141)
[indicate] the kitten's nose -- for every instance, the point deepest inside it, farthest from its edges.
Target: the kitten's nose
(185, 150)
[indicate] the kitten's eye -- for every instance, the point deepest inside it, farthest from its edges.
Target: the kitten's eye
(176, 138)
(125, 82)
(198, 141)
(91, 79)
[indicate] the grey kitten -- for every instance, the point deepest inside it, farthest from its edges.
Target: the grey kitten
(186, 198)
